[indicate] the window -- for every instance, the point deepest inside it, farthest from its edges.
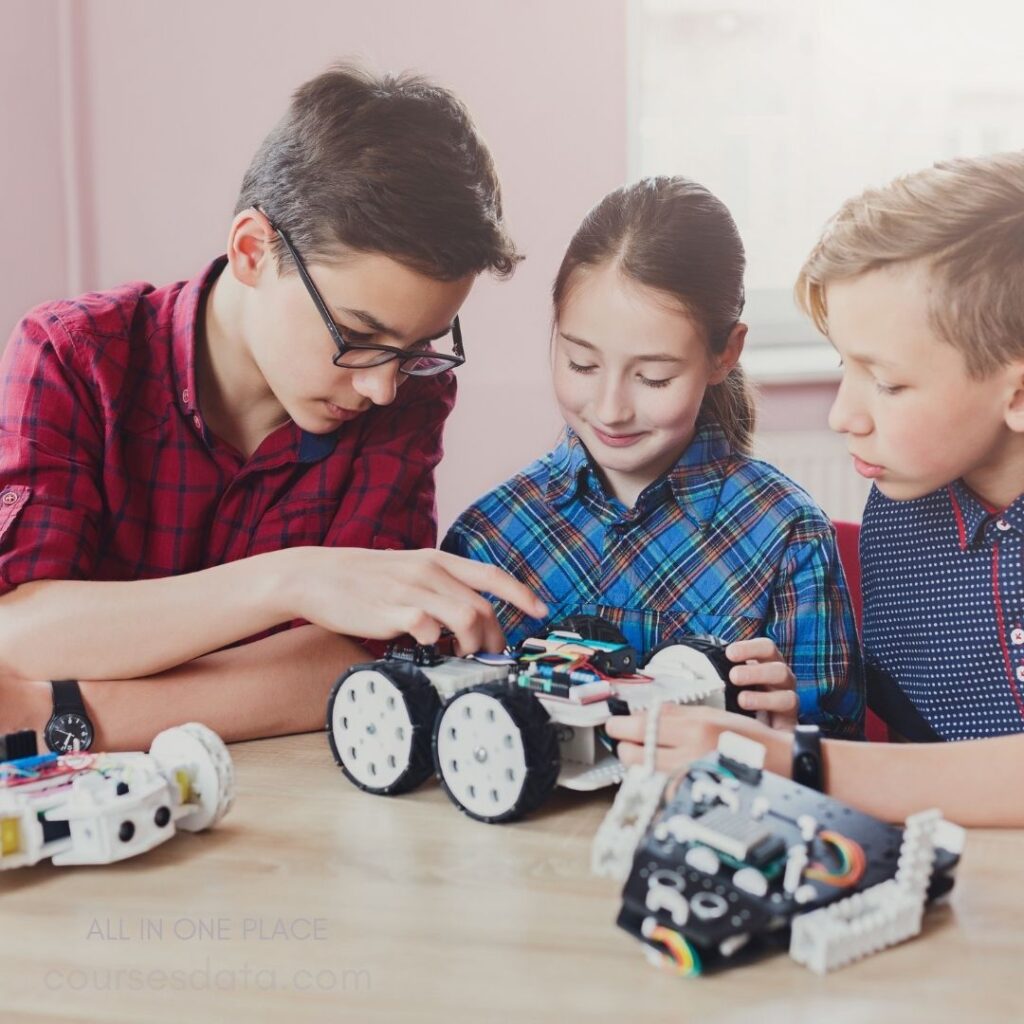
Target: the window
(784, 108)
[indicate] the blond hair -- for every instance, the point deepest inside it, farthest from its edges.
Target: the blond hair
(964, 219)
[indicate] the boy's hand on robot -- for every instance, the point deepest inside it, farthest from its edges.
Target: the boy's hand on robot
(415, 592)
(772, 685)
(687, 733)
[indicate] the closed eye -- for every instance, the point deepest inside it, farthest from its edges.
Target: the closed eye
(652, 383)
(353, 337)
(580, 368)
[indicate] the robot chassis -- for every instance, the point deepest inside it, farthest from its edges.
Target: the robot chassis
(739, 862)
(500, 732)
(84, 808)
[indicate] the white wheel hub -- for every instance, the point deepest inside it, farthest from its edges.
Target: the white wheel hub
(480, 754)
(203, 755)
(372, 728)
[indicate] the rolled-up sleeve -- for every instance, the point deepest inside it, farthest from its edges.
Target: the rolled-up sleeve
(51, 454)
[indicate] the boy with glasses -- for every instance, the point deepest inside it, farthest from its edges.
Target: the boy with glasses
(182, 468)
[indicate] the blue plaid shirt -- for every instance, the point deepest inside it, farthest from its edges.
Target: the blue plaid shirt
(722, 544)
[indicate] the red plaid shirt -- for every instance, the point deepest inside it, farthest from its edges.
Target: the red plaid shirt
(107, 471)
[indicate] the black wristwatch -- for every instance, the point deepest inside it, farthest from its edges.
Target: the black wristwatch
(69, 728)
(808, 769)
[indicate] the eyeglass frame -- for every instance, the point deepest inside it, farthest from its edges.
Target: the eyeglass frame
(456, 359)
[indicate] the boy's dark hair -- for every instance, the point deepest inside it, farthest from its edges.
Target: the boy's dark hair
(389, 164)
(671, 234)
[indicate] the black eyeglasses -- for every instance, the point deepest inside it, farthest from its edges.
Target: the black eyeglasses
(421, 361)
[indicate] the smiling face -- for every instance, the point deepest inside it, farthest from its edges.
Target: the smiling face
(630, 371)
(914, 418)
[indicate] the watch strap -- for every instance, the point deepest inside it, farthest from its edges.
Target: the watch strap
(808, 769)
(67, 697)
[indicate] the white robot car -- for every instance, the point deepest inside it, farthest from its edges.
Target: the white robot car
(501, 732)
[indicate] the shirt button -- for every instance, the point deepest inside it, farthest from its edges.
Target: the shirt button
(9, 498)
(1017, 636)
(198, 422)
(1020, 673)
(1002, 524)
(185, 397)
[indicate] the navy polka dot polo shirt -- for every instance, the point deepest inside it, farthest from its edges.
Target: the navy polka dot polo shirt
(943, 588)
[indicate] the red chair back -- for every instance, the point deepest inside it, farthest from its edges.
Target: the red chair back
(848, 542)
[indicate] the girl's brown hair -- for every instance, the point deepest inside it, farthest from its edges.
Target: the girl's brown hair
(672, 234)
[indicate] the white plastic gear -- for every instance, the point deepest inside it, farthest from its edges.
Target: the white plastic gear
(687, 676)
(372, 729)
(480, 754)
(203, 754)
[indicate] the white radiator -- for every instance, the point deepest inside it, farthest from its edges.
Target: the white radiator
(817, 460)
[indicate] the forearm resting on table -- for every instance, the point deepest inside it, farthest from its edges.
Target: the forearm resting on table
(270, 687)
(971, 782)
(53, 629)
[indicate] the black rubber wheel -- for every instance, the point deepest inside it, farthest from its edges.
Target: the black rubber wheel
(496, 752)
(380, 718)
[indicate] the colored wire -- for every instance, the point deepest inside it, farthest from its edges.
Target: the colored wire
(852, 862)
(682, 953)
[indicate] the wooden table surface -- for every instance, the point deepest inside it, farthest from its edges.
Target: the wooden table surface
(314, 901)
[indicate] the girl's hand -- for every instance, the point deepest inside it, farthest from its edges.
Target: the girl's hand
(382, 594)
(771, 681)
(688, 733)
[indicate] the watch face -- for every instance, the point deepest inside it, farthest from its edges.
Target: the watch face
(67, 733)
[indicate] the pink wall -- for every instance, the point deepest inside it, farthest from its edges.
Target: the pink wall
(31, 189)
(124, 164)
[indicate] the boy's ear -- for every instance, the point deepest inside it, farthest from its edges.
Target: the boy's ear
(1014, 414)
(249, 246)
(724, 363)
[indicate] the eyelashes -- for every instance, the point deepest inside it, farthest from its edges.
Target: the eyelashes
(646, 381)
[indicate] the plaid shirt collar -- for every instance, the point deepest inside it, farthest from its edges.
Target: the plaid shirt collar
(973, 515)
(295, 444)
(695, 480)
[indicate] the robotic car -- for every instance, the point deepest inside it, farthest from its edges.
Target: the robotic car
(501, 732)
(740, 861)
(83, 808)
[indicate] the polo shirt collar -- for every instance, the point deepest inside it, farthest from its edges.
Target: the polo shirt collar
(303, 446)
(972, 515)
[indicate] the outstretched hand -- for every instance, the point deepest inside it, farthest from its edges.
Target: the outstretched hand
(382, 594)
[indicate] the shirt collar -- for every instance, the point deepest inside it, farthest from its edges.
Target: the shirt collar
(973, 515)
(695, 480)
(306, 447)
(569, 463)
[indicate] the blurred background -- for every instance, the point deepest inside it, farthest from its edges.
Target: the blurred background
(127, 124)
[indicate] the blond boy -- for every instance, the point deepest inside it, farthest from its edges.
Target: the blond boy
(920, 288)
